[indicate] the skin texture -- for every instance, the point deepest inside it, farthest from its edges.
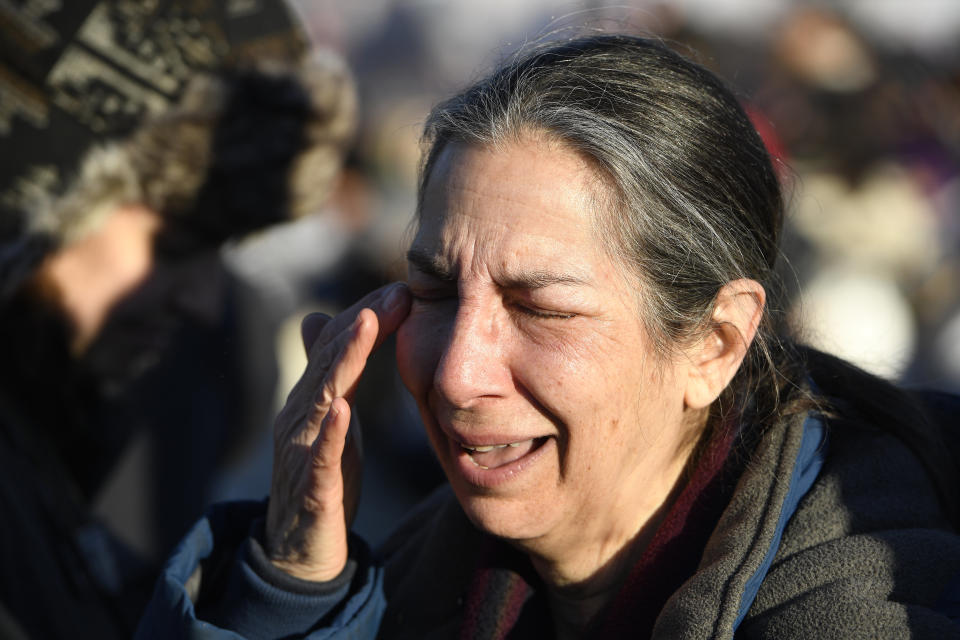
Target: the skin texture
(522, 327)
(521, 330)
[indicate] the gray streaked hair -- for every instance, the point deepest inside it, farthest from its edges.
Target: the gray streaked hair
(693, 200)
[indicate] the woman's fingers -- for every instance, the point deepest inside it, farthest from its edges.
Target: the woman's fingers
(344, 372)
(387, 309)
(389, 303)
(342, 378)
(325, 490)
(316, 466)
(313, 545)
(310, 328)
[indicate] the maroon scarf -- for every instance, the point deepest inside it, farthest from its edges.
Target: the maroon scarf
(504, 585)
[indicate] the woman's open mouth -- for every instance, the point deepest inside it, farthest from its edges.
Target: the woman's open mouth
(490, 465)
(494, 456)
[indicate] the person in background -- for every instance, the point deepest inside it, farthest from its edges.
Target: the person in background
(194, 125)
(635, 445)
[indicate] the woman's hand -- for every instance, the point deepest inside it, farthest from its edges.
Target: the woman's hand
(316, 467)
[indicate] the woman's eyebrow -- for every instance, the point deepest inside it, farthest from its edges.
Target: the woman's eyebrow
(436, 267)
(431, 265)
(539, 280)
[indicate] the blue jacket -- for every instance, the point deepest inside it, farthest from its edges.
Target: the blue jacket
(844, 538)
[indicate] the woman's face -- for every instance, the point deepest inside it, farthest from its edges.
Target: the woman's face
(524, 350)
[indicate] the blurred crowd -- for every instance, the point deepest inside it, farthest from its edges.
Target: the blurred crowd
(859, 103)
(858, 100)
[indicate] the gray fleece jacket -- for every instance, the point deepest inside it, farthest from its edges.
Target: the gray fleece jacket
(834, 530)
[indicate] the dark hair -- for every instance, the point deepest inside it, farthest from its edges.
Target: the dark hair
(694, 200)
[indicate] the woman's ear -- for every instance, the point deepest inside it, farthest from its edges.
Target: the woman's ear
(716, 358)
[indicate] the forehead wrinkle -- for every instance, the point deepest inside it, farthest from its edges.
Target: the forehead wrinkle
(512, 276)
(471, 228)
(475, 202)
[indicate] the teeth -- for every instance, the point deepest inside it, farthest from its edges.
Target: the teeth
(478, 464)
(489, 447)
(483, 448)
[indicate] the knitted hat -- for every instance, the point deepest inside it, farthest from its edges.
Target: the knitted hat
(207, 112)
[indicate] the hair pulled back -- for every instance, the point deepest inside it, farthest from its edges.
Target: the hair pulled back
(694, 201)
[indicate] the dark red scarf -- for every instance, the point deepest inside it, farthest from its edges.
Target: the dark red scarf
(502, 597)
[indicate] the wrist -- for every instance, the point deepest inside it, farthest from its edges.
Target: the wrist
(280, 576)
(309, 560)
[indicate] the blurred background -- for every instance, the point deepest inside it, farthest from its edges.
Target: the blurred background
(859, 101)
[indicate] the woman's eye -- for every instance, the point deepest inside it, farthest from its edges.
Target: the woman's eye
(540, 313)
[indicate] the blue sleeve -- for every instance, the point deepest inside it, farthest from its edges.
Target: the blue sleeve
(241, 595)
(949, 603)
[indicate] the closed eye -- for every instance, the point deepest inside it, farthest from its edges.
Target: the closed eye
(433, 297)
(540, 313)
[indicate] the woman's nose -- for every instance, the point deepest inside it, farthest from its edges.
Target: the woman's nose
(472, 364)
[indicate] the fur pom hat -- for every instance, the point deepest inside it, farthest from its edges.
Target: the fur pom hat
(252, 133)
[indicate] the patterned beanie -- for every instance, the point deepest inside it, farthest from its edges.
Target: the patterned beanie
(211, 113)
